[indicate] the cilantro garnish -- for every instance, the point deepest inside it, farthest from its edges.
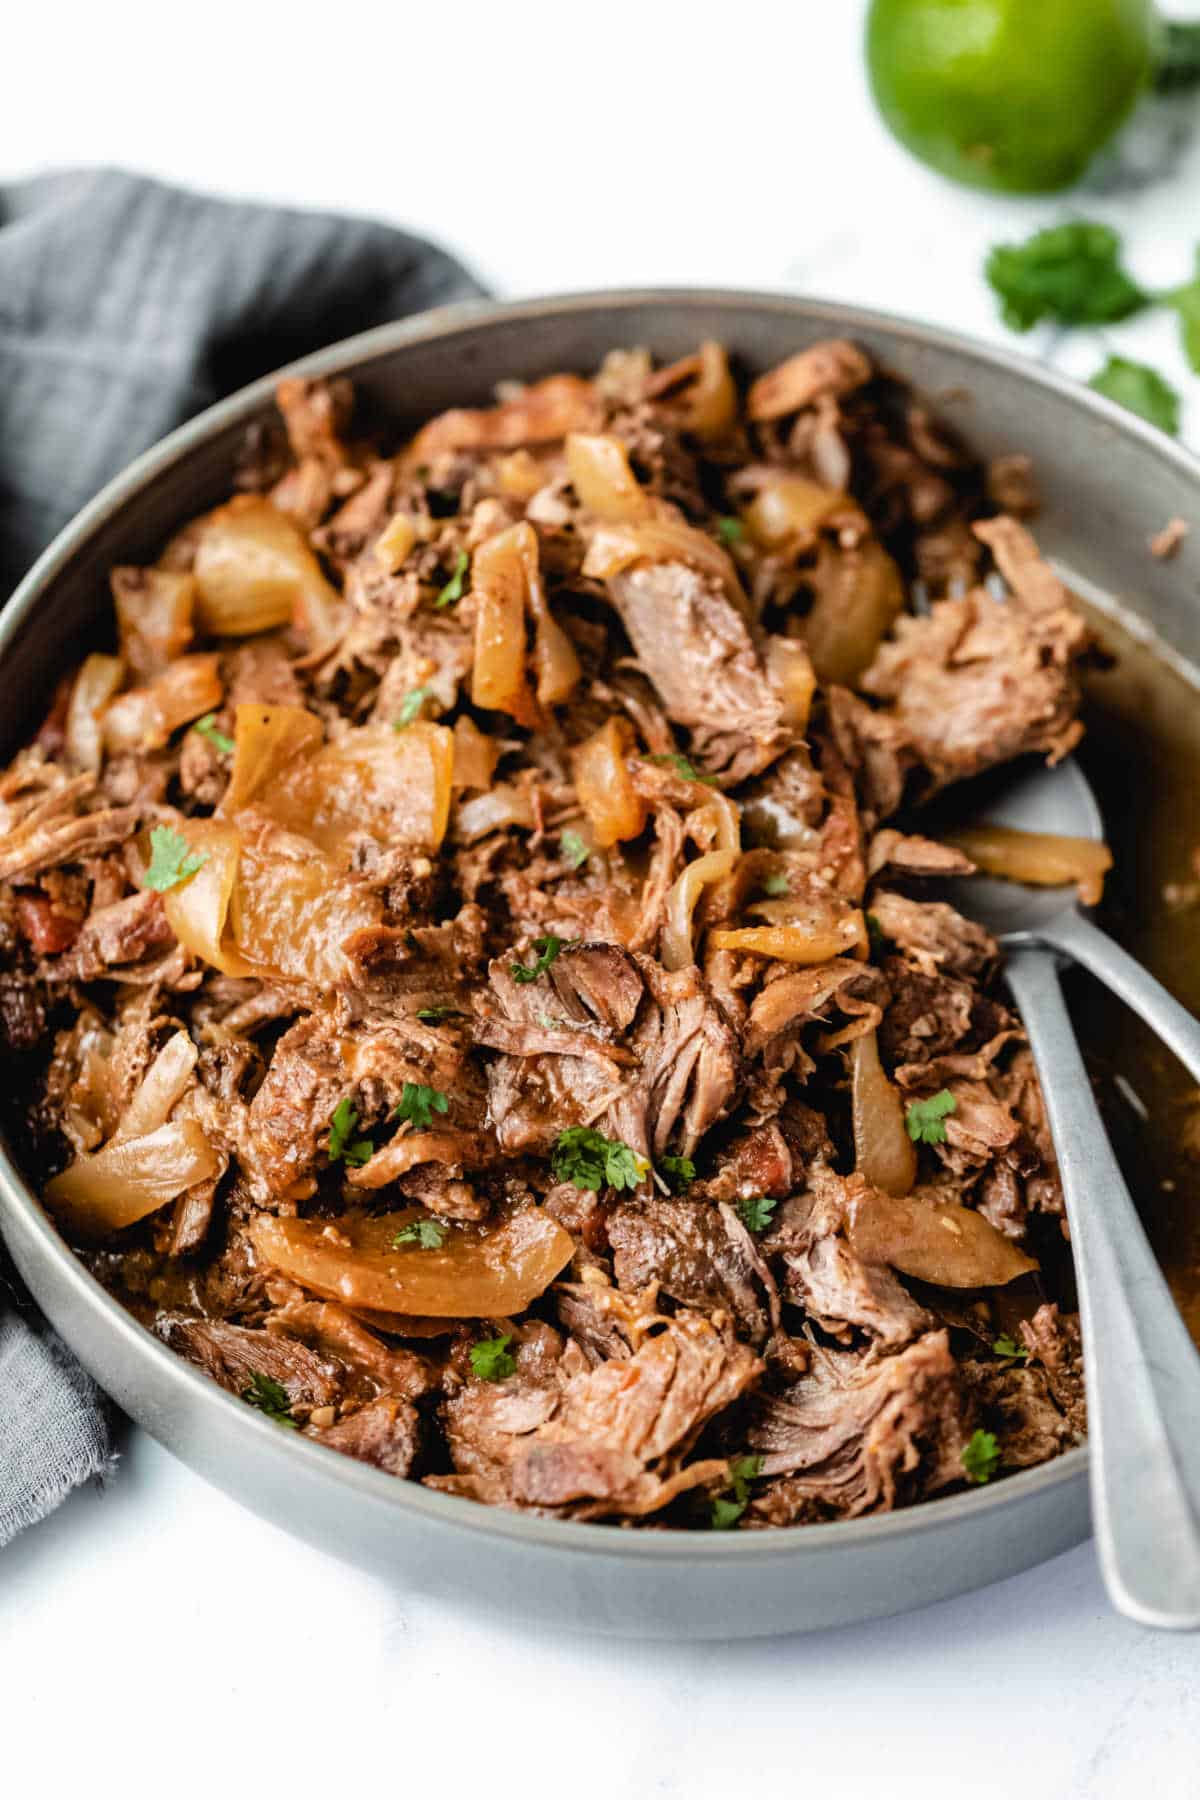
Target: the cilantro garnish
(591, 1161)
(418, 1104)
(742, 1471)
(1008, 1346)
(343, 1145)
(679, 1171)
(980, 1457)
(410, 707)
(1139, 389)
(876, 935)
(207, 727)
(573, 849)
(776, 884)
(270, 1397)
(670, 759)
(924, 1117)
(453, 589)
(756, 1214)
(426, 1234)
(1070, 273)
(1186, 301)
(490, 1359)
(730, 530)
(433, 1015)
(1177, 64)
(170, 859)
(546, 949)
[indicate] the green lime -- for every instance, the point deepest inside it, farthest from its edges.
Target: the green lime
(1015, 95)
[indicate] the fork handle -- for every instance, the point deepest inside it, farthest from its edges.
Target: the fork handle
(1142, 1370)
(1085, 943)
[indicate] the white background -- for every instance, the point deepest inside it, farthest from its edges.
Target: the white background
(156, 1633)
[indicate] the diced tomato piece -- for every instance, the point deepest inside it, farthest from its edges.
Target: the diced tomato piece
(48, 931)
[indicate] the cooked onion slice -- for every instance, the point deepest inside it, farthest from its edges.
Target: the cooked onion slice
(884, 1154)
(198, 909)
(160, 1087)
(154, 616)
(145, 718)
(1039, 857)
(539, 414)
(790, 668)
(801, 929)
(605, 786)
(615, 547)
(94, 686)
(948, 1245)
(603, 480)
(677, 942)
(254, 572)
(500, 583)
(790, 506)
(860, 595)
(488, 1271)
(131, 1177)
(475, 756)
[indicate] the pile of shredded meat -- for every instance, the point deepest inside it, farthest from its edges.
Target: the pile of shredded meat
(473, 978)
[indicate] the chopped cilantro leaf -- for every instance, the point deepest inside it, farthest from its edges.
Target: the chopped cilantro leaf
(433, 1015)
(670, 759)
(742, 1471)
(170, 859)
(756, 1214)
(592, 1161)
(490, 1359)
(1008, 1346)
(679, 1171)
(1186, 301)
(270, 1397)
(924, 1117)
(876, 935)
(410, 707)
(776, 884)
(418, 1104)
(1070, 273)
(343, 1145)
(426, 1234)
(573, 849)
(546, 949)
(730, 530)
(207, 727)
(453, 589)
(980, 1457)
(1140, 389)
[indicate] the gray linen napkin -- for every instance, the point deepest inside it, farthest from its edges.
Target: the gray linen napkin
(126, 306)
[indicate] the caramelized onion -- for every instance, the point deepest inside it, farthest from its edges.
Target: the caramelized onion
(790, 506)
(951, 1246)
(790, 668)
(605, 786)
(129, 1178)
(677, 947)
(475, 756)
(154, 616)
(520, 475)
(884, 1153)
(500, 583)
(198, 909)
(787, 943)
(290, 911)
(860, 595)
(616, 547)
(254, 572)
(93, 688)
(267, 740)
(145, 718)
(395, 541)
(160, 1087)
(499, 808)
(487, 1272)
(603, 480)
(1039, 857)
(711, 399)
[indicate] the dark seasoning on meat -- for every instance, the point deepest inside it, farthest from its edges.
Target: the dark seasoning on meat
(470, 978)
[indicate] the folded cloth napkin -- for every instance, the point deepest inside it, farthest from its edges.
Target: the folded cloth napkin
(126, 306)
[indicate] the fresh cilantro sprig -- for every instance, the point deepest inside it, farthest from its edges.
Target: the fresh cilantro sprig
(776, 884)
(418, 1104)
(426, 1234)
(756, 1214)
(171, 859)
(573, 849)
(343, 1145)
(270, 1397)
(453, 589)
(1139, 389)
(678, 1171)
(546, 949)
(410, 707)
(730, 529)
(924, 1118)
(671, 759)
(980, 1457)
(742, 1471)
(207, 727)
(591, 1161)
(1009, 1347)
(433, 1015)
(1069, 273)
(490, 1359)
(876, 935)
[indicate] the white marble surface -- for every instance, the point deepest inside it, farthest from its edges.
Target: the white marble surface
(554, 148)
